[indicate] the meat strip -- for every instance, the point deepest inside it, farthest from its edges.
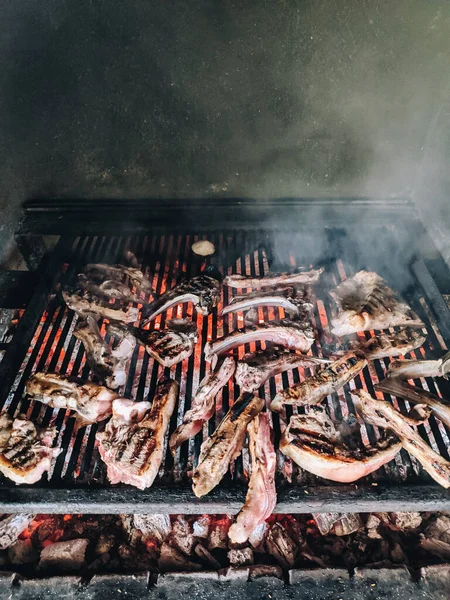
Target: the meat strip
(383, 415)
(294, 304)
(393, 344)
(89, 304)
(274, 279)
(415, 369)
(225, 444)
(203, 404)
(262, 495)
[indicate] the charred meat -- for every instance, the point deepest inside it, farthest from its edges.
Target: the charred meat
(416, 395)
(114, 281)
(319, 446)
(90, 402)
(296, 335)
(225, 444)
(26, 452)
(203, 404)
(255, 368)
(262, 495)
(132, 445)
(366, 302)
(292, 302)
(90, 304)
(202, 291)
(171, 345)
(415, 369)
(315, 388)
(383, 415)
(393, 344)
(274, 279)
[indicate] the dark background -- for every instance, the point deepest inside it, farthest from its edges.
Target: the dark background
(136, 98)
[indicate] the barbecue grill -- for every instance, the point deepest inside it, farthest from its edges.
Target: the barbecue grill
(343, 236)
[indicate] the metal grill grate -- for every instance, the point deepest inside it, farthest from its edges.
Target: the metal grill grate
(77, 480)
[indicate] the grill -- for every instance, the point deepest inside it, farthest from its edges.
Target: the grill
(396, 248)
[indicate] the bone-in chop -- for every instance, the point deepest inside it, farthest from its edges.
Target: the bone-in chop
(26, 451)
(171, 345)
(273, 279)
(255, 368)
(393, 344)
(202, 291)
(315, 388)
(132, 445)
(262, 495)
(225, 444)
(397, 387)
(296, 335)
(295, 304)
(320, 446)
(415, 369)
(90, 402)
(383, 415)
(90, 304)
(203, 405)
(365, 302)
(108, 280)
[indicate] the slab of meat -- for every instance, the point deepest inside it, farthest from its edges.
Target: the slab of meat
(316, 444)
(203, 404)
(262, 495)
(296, 335)
(295, 304)
(393, 344)
(225, 444)
(90, 402)
(397, 387)
(202, 291)
(132, 445)
(255, 368)
(114, 281)
(315, 388)
(366, 302)
(90, 304)
(415, 369)
(171, 345)
(26, 452)
(383, 415)
(273, 279)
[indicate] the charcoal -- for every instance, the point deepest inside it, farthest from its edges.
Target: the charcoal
(11, 527)
(281, 546)
(64, 556)
(105, 543)
(153, 526)
(201, 526)
(240, 557)
(257, 536)
(171, 559)
(218, 537)
(372, 525)
(397, 555)
(439, 529)
(436, 547)
(22, 552)
(182, 536)
(206, 557)
(405, 520)
(259, 571)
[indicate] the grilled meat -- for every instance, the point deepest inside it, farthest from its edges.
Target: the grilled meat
(316, 444)
(274, 279)
(90, 304)
(255, 368)
(108, 280)
(262, 495)
(414, 369)
(171, 345)
(297, 335)
(26, 452)
(202, 291)
(90, 402)
(396, 387)
(203, 405)
(315, 388)
(383, 415)
(121, 354)
(366, 302)
(225, 444)
(393, 344)
(294, 304)
(132, 445)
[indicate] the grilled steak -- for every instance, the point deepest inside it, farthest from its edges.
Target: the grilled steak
(366, 302)
(297, 335)
(315, 388)
(202, 291)
(255, 368)
(262, 495)
(274, 279)
(393, 344)
(132, 445)
(90, 304)
(203, 405)
(225, 444)
(383, 415)
(171, 345)
(26, 452)
(396, 387)
(90, 402)
(316, 444)
(414, 369)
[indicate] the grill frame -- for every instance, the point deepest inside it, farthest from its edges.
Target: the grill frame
(41, 218)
